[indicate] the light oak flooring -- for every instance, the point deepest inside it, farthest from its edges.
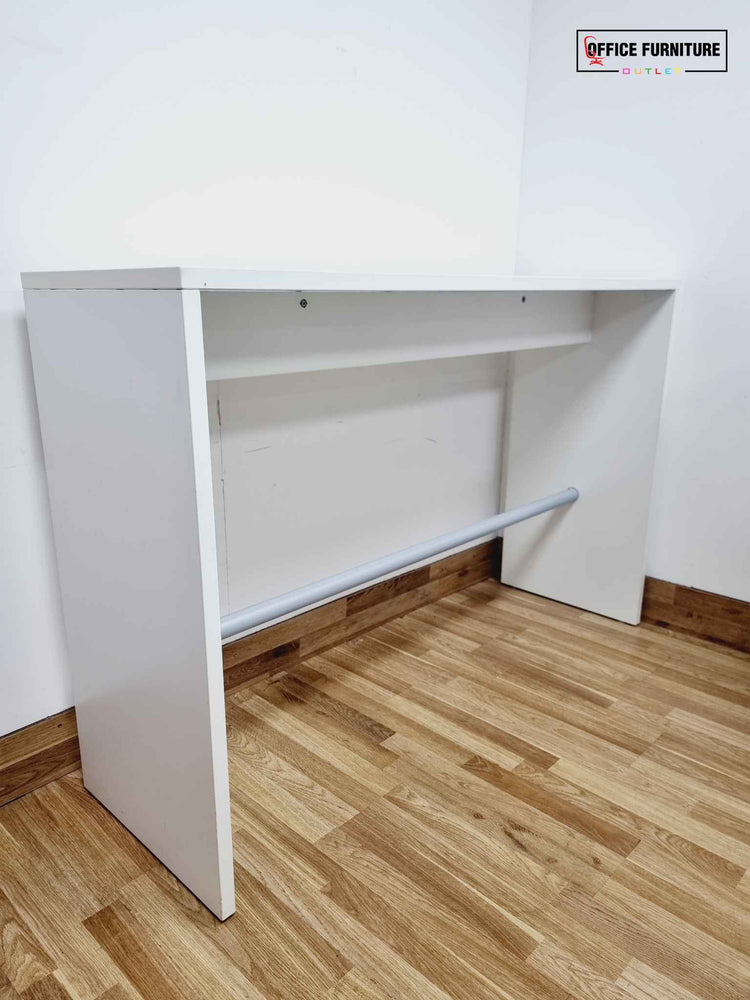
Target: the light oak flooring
(495, 796)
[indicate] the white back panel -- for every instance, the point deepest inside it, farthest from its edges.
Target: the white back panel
(325, 470)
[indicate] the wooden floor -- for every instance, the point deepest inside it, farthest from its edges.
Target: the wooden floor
(495, 796)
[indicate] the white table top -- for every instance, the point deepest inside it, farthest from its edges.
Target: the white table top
(219, 278)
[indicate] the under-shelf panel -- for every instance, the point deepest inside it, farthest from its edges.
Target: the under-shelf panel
(250, 333)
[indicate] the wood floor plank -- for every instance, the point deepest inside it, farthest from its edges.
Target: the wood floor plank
(672, 693)
(283, 803)
(562, 667)
(668, 944)
(120, 993)
(631, 794)
(573, 862)
(348, 760)
(521, 826)
(48, 988)
(558, 807)
(292, 687)
(725, 923)
(493, 797)
(548, 684)
(700, 782)
(696, 682)
(364, 950)
(473, 925)
(550, 734)
(126, 942)
(531, 688)
(350, 688)
(311, 712)
(27, 821)
(727, 668)
(688, 724)
(696, 872)
(356, 986)
(572, 974)
(435, 958)
(321, 770)
(436, 848)
(79, 810)
(290, 956)
(457, 726)
(557, 637)
(502, 740)
(726, 822)
(217, 960)
(22, 959)
(707, 750)
(452, 620)
(423, 639)
(388, 666)
(640, 982)
(593, 805)
(6, 991)
(42, 896)
(598, 954)
(256, 765)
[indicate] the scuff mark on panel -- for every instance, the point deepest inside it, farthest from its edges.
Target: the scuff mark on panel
(223, 496)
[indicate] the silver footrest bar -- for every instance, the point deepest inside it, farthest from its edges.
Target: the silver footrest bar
(330, 586)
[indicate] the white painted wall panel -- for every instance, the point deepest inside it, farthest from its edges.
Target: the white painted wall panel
(34, 679)
(376, 136)
(649, 175)
(272, 135)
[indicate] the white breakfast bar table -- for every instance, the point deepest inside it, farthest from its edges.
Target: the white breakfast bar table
(121, 360)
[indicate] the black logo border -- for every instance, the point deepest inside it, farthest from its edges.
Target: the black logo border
(653, 31)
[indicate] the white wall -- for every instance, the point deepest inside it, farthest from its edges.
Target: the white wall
(345, 135)
(645, 175)
(34, 681)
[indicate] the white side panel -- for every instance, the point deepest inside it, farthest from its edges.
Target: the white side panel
(326, 470)
(268, 333)
(121, 391)
(588, 416)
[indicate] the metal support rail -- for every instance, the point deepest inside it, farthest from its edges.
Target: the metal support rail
(294, 600)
